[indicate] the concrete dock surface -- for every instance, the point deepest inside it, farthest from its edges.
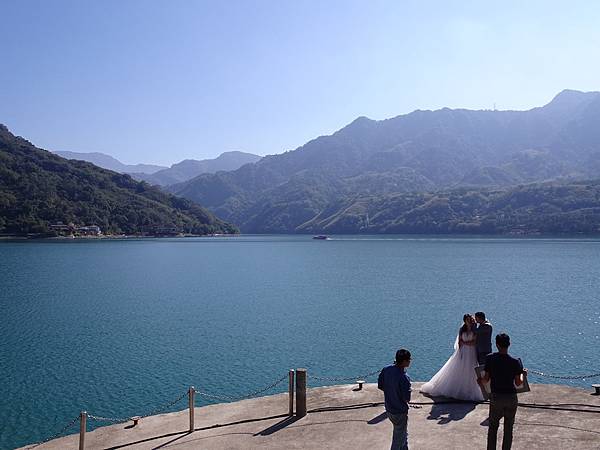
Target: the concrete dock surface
(342, 417)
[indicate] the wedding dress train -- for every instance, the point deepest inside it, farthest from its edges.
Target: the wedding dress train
(457, 378)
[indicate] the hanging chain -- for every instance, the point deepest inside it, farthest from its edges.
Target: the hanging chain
(56, 435)
(250, 395)
(563, 377)
(165, 407)
(228, 398)
(358, 377)
(108, 419)
(125, 419)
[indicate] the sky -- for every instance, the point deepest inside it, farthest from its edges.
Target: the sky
(162, 81)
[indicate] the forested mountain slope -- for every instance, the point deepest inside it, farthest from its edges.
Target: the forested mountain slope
(420, 152)
(39, 188)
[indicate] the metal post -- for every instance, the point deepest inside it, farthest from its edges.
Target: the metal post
(82, 427)
(300, 392)
(192, 393)
(291, 393)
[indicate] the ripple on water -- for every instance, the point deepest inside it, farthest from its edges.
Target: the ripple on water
(119, 328)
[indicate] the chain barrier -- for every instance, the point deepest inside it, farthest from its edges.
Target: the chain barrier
(250, 395)
(225, 398)
(125, 419)
(165, 407)
(229, 398)
(563, 377)
(107, 419)
(358, 377)
(265, 389)
(56, 435)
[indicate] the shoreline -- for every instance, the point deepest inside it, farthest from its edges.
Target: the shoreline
(509, 236)
(107, 237)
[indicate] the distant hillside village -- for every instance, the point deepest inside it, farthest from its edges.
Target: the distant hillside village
(73, 230)
(61, 229)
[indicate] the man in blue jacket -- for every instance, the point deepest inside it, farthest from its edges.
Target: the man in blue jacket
(395, 385)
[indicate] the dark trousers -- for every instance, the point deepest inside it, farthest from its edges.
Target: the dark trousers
(502, 406)
(481, 357)
(400, 435)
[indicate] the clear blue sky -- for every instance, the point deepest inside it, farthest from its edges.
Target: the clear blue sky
(160, 81)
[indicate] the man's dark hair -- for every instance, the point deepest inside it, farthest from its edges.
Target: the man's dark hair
(402, 355)
(480, 315)
(503, 340)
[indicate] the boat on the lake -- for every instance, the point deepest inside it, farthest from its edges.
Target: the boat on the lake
(321, 237)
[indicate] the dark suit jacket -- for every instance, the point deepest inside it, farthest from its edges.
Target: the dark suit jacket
(484, 338)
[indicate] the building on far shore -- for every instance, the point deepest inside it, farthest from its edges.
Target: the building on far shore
(89, 230)
(164, 231)
(72, 230)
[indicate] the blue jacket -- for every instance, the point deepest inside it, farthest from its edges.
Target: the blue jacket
(395, 385)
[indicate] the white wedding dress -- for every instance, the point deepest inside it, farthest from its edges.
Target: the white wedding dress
(457, 378)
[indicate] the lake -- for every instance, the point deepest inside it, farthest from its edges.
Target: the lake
(120, 327)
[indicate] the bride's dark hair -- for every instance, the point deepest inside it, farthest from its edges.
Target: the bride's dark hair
(465, 327)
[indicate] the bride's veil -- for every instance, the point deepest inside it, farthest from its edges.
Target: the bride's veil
(456, 340)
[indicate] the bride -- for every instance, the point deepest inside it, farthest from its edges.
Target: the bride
(457, 378)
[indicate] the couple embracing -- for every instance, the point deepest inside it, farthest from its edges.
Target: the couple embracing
(457, 378)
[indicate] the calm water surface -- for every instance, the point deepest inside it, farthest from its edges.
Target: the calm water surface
(118, 328)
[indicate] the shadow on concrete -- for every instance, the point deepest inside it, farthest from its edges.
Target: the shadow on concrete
(278, 426)
(172, 440)
(562, 407)
(445, 412)
(286, 420)
(553, 425)
(202, 438)
(378, 419)
(181, 434)
(345, 407)
(326, 422)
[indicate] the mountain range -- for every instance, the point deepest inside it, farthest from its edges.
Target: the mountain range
(376, 164)
(39, 189)
(191, 168)
(163, 176)
(110, 163)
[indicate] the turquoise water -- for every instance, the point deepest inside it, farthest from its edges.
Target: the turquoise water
(118, 328)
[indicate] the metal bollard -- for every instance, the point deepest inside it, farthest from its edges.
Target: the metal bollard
(192, 404)
(300, 392)
(82, 427)
(291, 393)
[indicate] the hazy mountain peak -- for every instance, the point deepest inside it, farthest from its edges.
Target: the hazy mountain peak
(190, 168)
(358, 125)
(569, 99)
(234, 152)
(108, 162)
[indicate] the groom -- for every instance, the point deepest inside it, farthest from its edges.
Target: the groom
(483, 334)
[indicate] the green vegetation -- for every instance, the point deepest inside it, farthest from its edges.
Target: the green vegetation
(38, 188)
(548, 208)
(445, 171)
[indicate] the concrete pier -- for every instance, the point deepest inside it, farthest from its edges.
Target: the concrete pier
(342, 417)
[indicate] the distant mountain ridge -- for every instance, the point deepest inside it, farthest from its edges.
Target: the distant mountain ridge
(39, 189)
(161, 175)
(191, 168)
(424, 151)
(108, 162)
